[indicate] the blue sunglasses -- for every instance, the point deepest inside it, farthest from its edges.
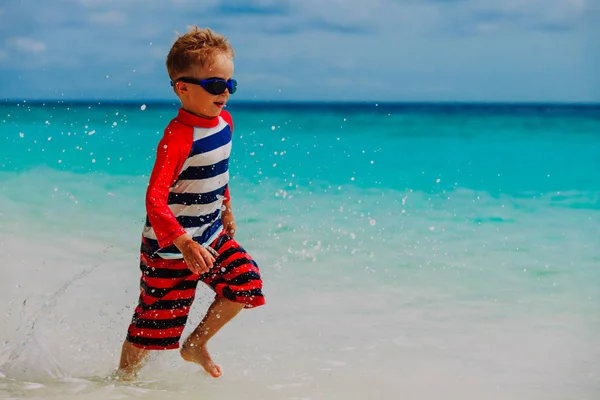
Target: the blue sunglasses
(211, 85)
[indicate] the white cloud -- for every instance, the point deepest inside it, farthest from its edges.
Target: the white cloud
(348, 12)
(108, 17)
(99, 3)
(511, 15)
(487, 27)
(26, 45)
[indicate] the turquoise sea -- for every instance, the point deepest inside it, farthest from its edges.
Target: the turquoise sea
(414, 251)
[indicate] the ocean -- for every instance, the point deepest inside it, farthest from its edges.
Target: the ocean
(415, 251)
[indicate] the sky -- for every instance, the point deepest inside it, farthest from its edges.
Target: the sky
(309, 50)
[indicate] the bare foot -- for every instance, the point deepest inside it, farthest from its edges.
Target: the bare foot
(123, 375)
(199, 355)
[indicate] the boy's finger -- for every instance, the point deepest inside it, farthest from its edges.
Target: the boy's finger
(205, 268)
(208, 257)
(195, 268)
(199, 264)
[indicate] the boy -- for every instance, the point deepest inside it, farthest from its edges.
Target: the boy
(189, 228)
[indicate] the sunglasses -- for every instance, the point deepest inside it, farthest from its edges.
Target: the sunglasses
(211, 85)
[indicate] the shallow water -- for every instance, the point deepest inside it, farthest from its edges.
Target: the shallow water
(410, 254)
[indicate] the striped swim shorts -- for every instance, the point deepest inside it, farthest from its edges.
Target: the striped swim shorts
(168, 289)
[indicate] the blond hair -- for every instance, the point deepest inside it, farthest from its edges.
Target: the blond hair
(197, 47)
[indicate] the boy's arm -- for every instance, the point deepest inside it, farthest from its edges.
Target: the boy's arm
(171, 153)
(227, 215)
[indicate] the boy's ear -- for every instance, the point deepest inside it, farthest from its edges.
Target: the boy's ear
(181, 87)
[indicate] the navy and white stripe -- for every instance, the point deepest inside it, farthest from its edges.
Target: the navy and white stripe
(196, 197)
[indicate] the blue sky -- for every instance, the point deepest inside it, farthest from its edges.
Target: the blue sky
(323, 50)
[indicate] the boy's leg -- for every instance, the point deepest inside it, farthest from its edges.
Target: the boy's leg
(194, 348)
(167, 292)
(236, 280)
(132, 358)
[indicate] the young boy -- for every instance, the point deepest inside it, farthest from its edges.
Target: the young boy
(189, 229)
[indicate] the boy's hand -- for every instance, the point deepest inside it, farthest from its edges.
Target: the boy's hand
(198, 259)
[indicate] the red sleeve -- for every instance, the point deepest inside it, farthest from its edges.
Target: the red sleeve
(227, 117)
(172, 151)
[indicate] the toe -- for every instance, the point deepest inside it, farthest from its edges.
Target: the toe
(215, 371)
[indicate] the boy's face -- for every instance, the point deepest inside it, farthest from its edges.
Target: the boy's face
(194, 98)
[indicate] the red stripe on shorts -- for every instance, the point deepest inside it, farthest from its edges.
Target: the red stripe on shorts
(156, 333)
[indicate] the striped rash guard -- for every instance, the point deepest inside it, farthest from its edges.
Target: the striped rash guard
(188, 184)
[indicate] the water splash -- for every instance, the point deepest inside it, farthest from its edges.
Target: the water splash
(8, 357)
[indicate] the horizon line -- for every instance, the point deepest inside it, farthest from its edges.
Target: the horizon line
(279, 102)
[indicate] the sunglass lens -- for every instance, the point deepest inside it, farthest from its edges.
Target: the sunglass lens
(216, 87)
(232, 86)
